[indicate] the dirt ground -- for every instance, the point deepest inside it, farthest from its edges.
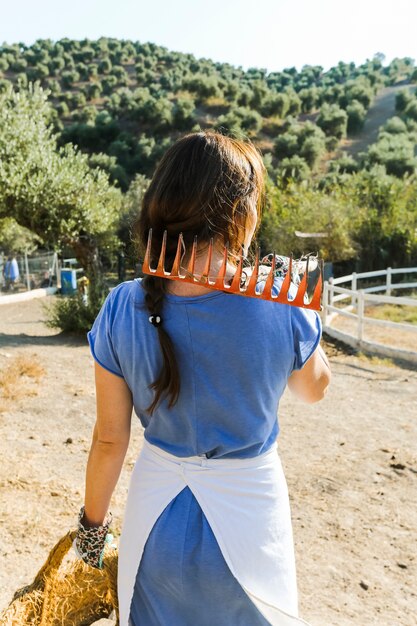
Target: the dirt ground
(350, 462)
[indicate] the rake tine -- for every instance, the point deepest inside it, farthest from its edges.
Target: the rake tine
(190, 268)
(219, 283)
(251, 288)
(285, 287)
(206, 272)
(175, 271)
(146, 265)
(315, 300)
(269, 283)
(235, 286)
(302, 288)
(161, 269)
(300, 299)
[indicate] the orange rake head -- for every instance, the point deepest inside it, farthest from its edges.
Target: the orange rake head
(258, 281)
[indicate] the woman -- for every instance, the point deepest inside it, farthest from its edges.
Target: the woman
(207, 536)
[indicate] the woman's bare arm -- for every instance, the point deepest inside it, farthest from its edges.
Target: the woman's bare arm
(109, 444)
(311, 382)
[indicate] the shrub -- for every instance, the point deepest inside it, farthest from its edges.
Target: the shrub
(82, 69)
(108, 84)
(22, 80)
(411, 109)
(333, 120)
(4, 85)
(39, 72)
(183, 113)
(395, 126)
(62, 109)
(402, 99)
(311, 149)
(295, 169)
(94, 91)
(105, 66)
(70, 314)
(395, 152)
(344, 165)
(309, 99)
(57, 65)
(331, 143)
(276, 104)
(356, 113)
(203, 86)
(69, 78)
(20, 65)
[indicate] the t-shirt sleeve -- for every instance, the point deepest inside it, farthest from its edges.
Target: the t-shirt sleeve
(100, 339)
(307, 330)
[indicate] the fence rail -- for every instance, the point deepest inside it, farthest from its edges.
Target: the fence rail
(354, 309)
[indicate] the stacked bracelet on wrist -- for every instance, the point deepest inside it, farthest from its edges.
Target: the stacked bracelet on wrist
(90, 541)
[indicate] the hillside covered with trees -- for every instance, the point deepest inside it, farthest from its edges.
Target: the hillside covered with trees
(108, 109)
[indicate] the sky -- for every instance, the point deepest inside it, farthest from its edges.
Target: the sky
(269, 34)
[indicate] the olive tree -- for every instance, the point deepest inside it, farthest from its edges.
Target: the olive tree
(51, 190)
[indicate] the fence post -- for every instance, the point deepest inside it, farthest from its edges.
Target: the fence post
(330, 292)
(389, 281)
(354, 287)
(325, 301)
(361, 313)
(27, 271)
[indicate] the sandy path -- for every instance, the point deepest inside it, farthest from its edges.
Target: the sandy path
(350, 461)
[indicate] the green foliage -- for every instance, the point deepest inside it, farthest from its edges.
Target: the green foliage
(333, 120)
(71, 315)
(49, 190)
(402, 99)
(16, 238)
(276, 104)
(131, 206)
(360, 90)
(183, 113)
(131, 119)
(395, 126)
(240, 122)
(356, 113)
(105, 66)
(69, 78)
(299, 206)
(294, 168)
(395, 152)
(344, 165)
(309, 99)
(306, 140)
(411, 109)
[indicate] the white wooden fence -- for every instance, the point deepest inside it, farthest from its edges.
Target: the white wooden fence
(354, 308)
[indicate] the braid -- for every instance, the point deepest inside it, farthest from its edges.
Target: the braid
(168, 380)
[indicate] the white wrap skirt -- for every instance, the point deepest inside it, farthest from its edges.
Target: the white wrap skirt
(245, 502)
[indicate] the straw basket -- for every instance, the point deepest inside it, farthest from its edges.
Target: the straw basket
(66, 593)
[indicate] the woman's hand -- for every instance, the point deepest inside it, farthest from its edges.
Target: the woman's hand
(90, 541)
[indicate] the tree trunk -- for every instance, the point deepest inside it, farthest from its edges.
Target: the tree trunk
(88, 256)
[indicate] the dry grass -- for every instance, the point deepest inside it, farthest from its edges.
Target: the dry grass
(393, 313)
(375, 360)
(19, 378)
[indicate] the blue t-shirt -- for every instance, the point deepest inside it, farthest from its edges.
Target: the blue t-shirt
(234, 354)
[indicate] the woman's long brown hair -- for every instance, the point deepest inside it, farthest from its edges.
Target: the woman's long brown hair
(206, 184)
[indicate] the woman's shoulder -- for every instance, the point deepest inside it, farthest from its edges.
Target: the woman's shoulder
(122, 299)
(127, 290)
